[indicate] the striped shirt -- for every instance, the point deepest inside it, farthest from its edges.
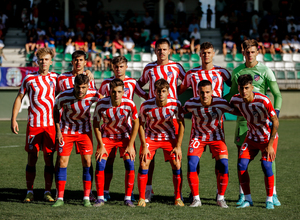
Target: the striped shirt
(170, 72)
(159, 120)
(115, 119)
(217, 76)
(66, 81)
(75, 118)
(130, 87)
(41, 92)
(258, 114)
(207, 120)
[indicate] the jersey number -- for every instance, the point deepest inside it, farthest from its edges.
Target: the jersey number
(195, 143)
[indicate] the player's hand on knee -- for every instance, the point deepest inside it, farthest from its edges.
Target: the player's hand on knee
(101, 151)
(131, 152)
(270, 153)
(14, 127)
(145, 152)
(178, 154)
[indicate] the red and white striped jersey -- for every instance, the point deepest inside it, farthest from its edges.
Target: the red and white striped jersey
(170, 72)
(258, 114)
(115, 119)
(207, 120)
(130, 87)
(217, 76)
(159, 120)
(41, 92)
(66, 81)
(75, 117)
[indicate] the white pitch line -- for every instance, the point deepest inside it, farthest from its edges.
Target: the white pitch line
(10, 146)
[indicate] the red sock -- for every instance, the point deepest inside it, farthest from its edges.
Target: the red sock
(30, 176)
(48, 176)
(142, 182)
(99, 179)
(245, 181)
(177, 183)
(194, 183)
(222, 181)
(129, 182)
(269, 183)
(60, 186)
(87, 185)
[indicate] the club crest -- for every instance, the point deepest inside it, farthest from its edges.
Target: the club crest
(256, 78)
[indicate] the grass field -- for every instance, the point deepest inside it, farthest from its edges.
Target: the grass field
(13, 160)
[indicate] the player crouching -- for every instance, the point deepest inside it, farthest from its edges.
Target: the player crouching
(74, 126)
(207, 111)
(114, 133)
(261, 136)
(158, 113)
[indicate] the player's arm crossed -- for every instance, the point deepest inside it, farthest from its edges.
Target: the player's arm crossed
(269, 149)
(130, 148)
(16, 108)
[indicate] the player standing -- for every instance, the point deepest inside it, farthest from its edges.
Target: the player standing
(115, 132)
(263, 79)
(166, 69)
(262, 124)
(66, 81)
(119, 65)
(74, 126)
(159, 113)
(207, 71)
(40, 133)
(207, 111)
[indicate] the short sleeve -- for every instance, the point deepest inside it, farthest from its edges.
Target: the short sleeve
(142, 116)
(97, 114)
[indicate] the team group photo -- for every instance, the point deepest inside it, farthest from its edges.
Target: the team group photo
(94, 136)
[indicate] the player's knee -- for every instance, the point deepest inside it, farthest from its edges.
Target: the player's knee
(267, 168)
(222, 165)
(101, 165)
(243, 164)
(30, 169)
(177, 171)
(193, 163)
(143, 171)
(129, 164)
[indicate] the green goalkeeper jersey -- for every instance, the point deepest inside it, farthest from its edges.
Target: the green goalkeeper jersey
(263, 78)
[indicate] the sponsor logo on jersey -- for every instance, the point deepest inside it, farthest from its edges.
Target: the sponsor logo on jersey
(255, 114)
(126, 91)
(214, 115)
(256, 78)
(214, 79)
(167, 116)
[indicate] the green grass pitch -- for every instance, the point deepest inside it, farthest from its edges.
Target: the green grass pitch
(13, 159)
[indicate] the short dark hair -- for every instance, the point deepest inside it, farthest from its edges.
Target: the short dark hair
(162, 41)
(203, 83)
(206, 45)
(81, 79)
(78, 53)
(161, 83)
(245, 79)
(115, 83)
(249, 43)
(119, 59)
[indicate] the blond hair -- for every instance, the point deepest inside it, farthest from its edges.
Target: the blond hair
(44, 51)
